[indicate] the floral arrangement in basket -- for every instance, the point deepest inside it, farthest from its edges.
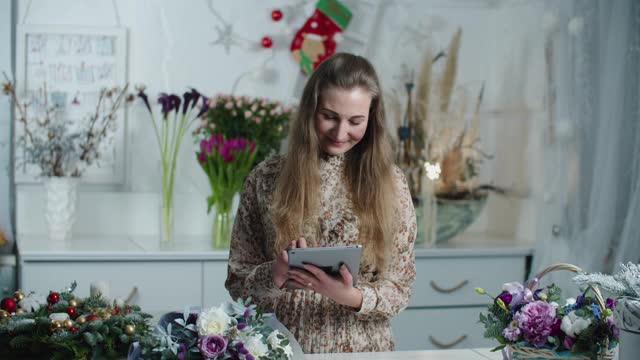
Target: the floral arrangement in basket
(233, 330)
(532, 322)
(62, 326)
(261, 120)
(58, 146)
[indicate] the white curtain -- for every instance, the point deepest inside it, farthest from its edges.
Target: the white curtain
(592, 215)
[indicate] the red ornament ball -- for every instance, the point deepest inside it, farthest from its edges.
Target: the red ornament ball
(71, 311)
(276, 15)
(115, 311)
(266, 42)
(73, 329)
(8, 304)
(53, 297)
(49, 307)
(92, 317)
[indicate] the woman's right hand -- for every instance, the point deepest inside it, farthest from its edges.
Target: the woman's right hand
(280, 266)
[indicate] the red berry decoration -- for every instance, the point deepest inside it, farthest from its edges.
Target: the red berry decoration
(8, 304)
(49, 307)
(127, 309)
(115, 311)
(53, 297)
(266, 42)
(73, 329)
(71, 311)
(92, 317)
(276, 15)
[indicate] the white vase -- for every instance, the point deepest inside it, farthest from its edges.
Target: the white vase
(60, 207)
(627, 315)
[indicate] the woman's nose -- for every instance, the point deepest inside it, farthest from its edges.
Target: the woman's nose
(340, 131)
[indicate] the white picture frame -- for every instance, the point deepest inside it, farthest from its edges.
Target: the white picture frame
(76, 62)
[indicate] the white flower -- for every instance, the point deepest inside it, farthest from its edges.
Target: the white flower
(59, 316)
(573, 324)
(273, 339)
(256, 346)
(554, 304)
(275, 343)
(32, 302)
(570, 301)
(213, 321)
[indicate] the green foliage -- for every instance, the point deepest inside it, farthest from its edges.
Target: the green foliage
(29, 335)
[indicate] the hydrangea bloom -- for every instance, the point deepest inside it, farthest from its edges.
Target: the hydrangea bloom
(536, 320)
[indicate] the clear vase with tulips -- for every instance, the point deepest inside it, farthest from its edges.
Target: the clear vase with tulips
(226, 162)
(177, 116)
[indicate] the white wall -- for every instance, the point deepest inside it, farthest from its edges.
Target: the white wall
(6, 193)
(169, 50)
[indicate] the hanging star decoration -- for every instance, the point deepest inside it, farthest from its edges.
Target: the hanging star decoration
(225, 37)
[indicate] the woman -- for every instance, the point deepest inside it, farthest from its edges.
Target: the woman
(337, 185)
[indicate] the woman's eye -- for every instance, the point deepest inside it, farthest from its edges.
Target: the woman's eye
(355, 123)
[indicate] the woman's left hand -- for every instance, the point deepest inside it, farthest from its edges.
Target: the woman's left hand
(339, 288)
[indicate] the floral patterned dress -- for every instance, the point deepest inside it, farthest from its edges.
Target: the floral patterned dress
(319, 324)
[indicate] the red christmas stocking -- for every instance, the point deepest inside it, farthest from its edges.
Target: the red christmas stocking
(315, 41)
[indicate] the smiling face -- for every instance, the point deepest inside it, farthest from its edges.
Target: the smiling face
(342, 118)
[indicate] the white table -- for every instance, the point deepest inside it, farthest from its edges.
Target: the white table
(460, 354)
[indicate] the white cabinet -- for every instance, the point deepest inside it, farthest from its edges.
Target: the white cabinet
(161, 285)
(444, 308)
(442, 313)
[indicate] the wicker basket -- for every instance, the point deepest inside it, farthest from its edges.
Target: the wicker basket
(533, 353)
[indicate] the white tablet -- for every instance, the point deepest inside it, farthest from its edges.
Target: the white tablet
(328, 259)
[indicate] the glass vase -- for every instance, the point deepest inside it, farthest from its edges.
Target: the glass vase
(166, 222)
(221, 235)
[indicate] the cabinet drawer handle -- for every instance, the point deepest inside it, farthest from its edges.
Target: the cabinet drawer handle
(442, 290)
(440, 345)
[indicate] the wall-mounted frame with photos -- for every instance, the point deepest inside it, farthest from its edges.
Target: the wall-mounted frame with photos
(75, 63)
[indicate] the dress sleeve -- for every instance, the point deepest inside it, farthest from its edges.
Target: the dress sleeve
(249, 269)
(389, 292)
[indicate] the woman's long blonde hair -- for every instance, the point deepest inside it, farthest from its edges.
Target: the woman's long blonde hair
(368, 165)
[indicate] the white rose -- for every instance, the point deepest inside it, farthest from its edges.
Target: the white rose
(273, 339)
(275, 343)
(213, 321)
(573, 324)
(59, 316)
(256, 347)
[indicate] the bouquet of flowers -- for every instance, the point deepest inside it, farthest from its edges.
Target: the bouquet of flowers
(61, 326)
(226, 162)
(233, 330)
(262, 120)
(177, 116)
(538, 323)
(61, 147)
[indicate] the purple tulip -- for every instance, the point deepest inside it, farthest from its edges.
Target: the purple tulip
(568, 342)
(163, 99)
(205, 107)
(611, 303)
(174, 102)
(246, 314)
(241, 326)
(186, 100)
(211, 346)
(202, 157)
(145, 99)
(505, 297)
(195, 96)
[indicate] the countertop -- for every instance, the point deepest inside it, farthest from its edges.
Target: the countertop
(190, 248)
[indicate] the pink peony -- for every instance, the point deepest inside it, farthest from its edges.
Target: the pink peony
(536, 320)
